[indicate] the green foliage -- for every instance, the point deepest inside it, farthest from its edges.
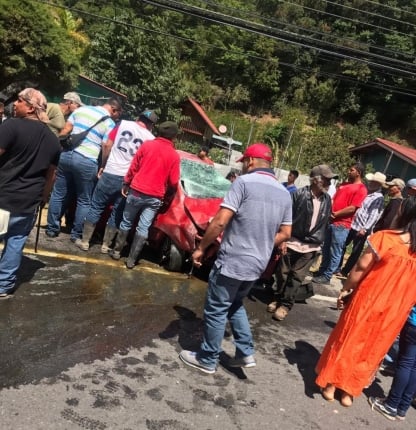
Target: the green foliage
(142, 65)
(158, 57)
(187, 146)
(34, 48)
(325, 145)
(218, 155)
(365, 130)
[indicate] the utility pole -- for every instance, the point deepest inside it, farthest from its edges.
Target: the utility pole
(250, 133)
(300, 152)
(288, 144)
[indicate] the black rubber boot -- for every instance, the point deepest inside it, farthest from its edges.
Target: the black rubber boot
(135, 250)
(118, 247)
(109, 234)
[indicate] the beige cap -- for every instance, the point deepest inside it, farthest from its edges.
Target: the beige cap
(37, 100)
(73, 97)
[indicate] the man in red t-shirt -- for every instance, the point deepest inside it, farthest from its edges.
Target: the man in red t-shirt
(152, 177)
(346, 201)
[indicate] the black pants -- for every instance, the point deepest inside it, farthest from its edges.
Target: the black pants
(358, 243)
(291, 271)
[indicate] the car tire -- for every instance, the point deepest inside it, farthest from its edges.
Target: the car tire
(172, 256)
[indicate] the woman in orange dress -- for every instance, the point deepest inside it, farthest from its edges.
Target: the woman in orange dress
(384, 291)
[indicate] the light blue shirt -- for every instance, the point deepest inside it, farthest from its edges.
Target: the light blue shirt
(260, 205)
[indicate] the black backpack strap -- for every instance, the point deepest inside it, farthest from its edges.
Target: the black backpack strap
(95, 125)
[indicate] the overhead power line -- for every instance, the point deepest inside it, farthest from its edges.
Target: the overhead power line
(288, 37)
(298, 27)
(356, 21)
(386, 6)
(368, 84)
(369, 13)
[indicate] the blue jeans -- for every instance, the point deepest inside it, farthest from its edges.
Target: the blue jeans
(147, 206)
(225, 300)
(335, 237)
(76, 174)
(403, 387)
(20, 225)
(106, 192)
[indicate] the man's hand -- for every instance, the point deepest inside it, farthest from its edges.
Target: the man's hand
(283, 248)
(197, 257)
(100, 172)
(340, 301)
(125, 190)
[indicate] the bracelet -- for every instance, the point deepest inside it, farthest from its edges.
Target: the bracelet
(126, 184)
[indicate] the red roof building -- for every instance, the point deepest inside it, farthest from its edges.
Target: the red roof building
(390, 158)
(195, 125)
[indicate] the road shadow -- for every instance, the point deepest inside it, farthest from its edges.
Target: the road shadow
(305, 356)
(374, 389)
(189, 330)
(260, 293)
(330, 324)
(27, 270)
(188, 327)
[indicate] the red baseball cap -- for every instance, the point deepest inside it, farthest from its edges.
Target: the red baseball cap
(257, 150)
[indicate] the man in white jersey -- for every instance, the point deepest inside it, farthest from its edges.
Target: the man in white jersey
(117, 152)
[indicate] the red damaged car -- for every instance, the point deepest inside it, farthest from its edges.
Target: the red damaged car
(177, 231)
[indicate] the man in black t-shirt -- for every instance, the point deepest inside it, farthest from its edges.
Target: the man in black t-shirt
(29, 154)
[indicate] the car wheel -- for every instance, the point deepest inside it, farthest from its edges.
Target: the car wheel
(172, 257)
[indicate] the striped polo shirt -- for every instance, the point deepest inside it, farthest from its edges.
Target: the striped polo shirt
(83, 118)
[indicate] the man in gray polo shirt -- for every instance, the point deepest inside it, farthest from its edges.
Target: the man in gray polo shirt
(255, 216)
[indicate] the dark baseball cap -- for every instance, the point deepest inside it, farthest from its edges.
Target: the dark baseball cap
(168, 129)
(323, 170)
(149, 115)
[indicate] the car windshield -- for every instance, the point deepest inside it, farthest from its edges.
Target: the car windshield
(200, 180)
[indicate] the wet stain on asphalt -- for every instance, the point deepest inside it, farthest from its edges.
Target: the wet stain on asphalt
(177, 407)
(83, 422)
(105, 401)
(71, 313)
(66, 312)
(155, 394)
(72, 402)
(165, 425)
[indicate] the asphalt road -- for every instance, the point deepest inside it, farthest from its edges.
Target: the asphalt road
(88, 344)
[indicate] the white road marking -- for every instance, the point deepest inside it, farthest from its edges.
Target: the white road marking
(324, 298)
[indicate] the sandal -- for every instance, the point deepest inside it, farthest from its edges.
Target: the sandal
(328, 393)
(346, 400)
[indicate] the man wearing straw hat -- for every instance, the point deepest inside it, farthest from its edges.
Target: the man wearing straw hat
(364, 220)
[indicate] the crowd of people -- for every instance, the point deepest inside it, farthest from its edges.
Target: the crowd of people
(377, 281)
(107, 161)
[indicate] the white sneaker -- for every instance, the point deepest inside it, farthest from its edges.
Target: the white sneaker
(189, 358)
(246, 362)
